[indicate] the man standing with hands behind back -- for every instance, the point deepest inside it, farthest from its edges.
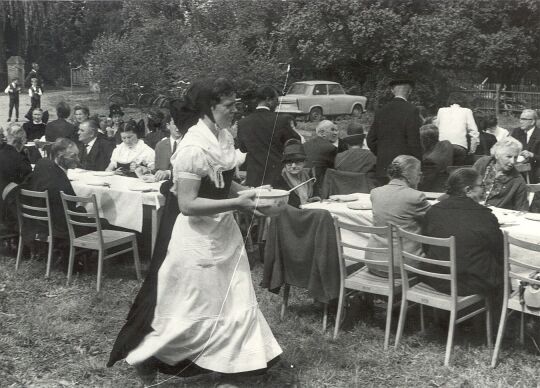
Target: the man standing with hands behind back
(395, 129)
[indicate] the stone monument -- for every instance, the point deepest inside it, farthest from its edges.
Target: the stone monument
(15, 68)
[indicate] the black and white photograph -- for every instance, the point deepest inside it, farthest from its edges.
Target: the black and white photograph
(269, 193)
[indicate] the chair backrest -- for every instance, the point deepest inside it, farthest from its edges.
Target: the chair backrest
(385, 231)
(511, 273)
(523, 167)
(89, 219)
(28, 207)
(345, 182)
(449, 243)
(533, 188)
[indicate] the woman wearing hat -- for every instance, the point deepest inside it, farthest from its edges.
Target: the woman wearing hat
(113, 132)
(294, 173)
(355, 159)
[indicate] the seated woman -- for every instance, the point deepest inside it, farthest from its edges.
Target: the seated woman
(356, 158)
(436, 156)
(493, 129)
(503, 184)
(479, 240)
(400, 203)
(132, 153)
(294, 173)
(487, 140)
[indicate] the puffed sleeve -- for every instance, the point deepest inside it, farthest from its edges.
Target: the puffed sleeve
(191, 163)
(114, 157)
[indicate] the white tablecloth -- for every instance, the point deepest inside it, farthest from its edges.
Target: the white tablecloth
(518, 226)
(118, 203)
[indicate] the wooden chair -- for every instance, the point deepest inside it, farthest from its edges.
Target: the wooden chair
(525, 169)
(425, 295)
(101, 240)
(26, 208)
(285, 302)
(515, 269)
(362, 280)
(533, 187)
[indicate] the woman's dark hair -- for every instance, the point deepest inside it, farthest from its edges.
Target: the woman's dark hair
(199, 100)
(264, 92)
(130, 126)
(480, 119)
(429, 136)
(460, 179)
(491, 121)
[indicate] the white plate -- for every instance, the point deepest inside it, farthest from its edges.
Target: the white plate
(344, 197)
(95, 183)
(103, 173)
(142, 188)
(78, 170)
(359, 206)
(533, 216)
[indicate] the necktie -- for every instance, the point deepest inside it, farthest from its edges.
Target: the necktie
(174, 147)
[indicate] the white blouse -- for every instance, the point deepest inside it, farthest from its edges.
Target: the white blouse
(140, 154)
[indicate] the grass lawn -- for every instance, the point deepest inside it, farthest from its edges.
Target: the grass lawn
(57, 336)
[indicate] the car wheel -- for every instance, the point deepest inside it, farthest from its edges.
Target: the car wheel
(357, 111)
(315, 114)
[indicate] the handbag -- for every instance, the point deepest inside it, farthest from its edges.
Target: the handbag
(529, 293)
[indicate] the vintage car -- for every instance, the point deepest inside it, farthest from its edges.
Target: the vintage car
(318, 98)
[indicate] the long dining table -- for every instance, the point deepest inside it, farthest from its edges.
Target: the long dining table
(121, 200)
(517, 224)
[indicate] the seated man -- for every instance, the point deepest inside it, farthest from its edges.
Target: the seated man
(16, 137)
(132, 154)
(320, 150)
(51, 175)
(35, 128)
(60, 127)
(96, 151)
(355, 159)
(165, 149)
(14, 168)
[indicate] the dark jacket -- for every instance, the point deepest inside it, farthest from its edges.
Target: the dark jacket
(434, 164)
(320, 156)
(533, 146)
(34, 131)
(49, 176)
(479, 245)
(60, 128)
(510, 190)
(262, 135)
(487, 140)
(395, 131)
(99, 157)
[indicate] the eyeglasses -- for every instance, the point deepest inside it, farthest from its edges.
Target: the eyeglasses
(291, 162)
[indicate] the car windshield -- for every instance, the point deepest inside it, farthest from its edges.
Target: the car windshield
(297, 89)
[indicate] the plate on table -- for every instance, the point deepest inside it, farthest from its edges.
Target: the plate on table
(359, 206)
(30, 144)
(96, 183)
(78, 170)
(432, 195)
(142, 187)
(533, 216)
(103, 173)
(344, 197)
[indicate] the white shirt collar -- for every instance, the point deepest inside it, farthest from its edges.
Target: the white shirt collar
(41, 122)
(91, 143)
(263, 107)
(403, 98)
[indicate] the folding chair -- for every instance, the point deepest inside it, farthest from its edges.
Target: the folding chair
(37, 213)
(101, 240)
(425, 295)
(362, 280)
(515, 269)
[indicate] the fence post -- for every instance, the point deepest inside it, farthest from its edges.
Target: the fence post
(497, 99)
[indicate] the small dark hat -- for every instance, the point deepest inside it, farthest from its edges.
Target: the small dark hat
(293, 150)
(115, 109)
(401, 81)
(355, 134)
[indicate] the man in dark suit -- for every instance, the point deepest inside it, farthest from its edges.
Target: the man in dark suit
(165, 148)
(528, 134)
(262, 135)
(51, 175)
(95, 151)
(61, 127)
(34, 73)
(395, 129)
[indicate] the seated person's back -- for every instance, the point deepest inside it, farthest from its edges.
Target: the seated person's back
(355, 159)
(436, 157)
(60, 128)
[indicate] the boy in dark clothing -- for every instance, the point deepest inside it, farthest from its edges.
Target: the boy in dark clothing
(13, 90)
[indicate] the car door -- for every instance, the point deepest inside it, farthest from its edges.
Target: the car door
(319, 97)
(338, 100)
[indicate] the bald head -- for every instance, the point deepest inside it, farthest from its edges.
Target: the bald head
(402, 90)
(527, 119)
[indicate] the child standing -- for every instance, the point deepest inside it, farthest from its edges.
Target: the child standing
(13, 90)
(35, 94)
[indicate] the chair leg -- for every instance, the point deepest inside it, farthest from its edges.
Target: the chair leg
(49, 257)
(99, 269)
(522, 329)
(70, 264)
(325, 318)
(401, 322)
(450, 340)
(388, 320)
(286, 290)
(500, 334)
(339, 311)
(422, 323)
(19, 252)
(136, 258)
(488, 324)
